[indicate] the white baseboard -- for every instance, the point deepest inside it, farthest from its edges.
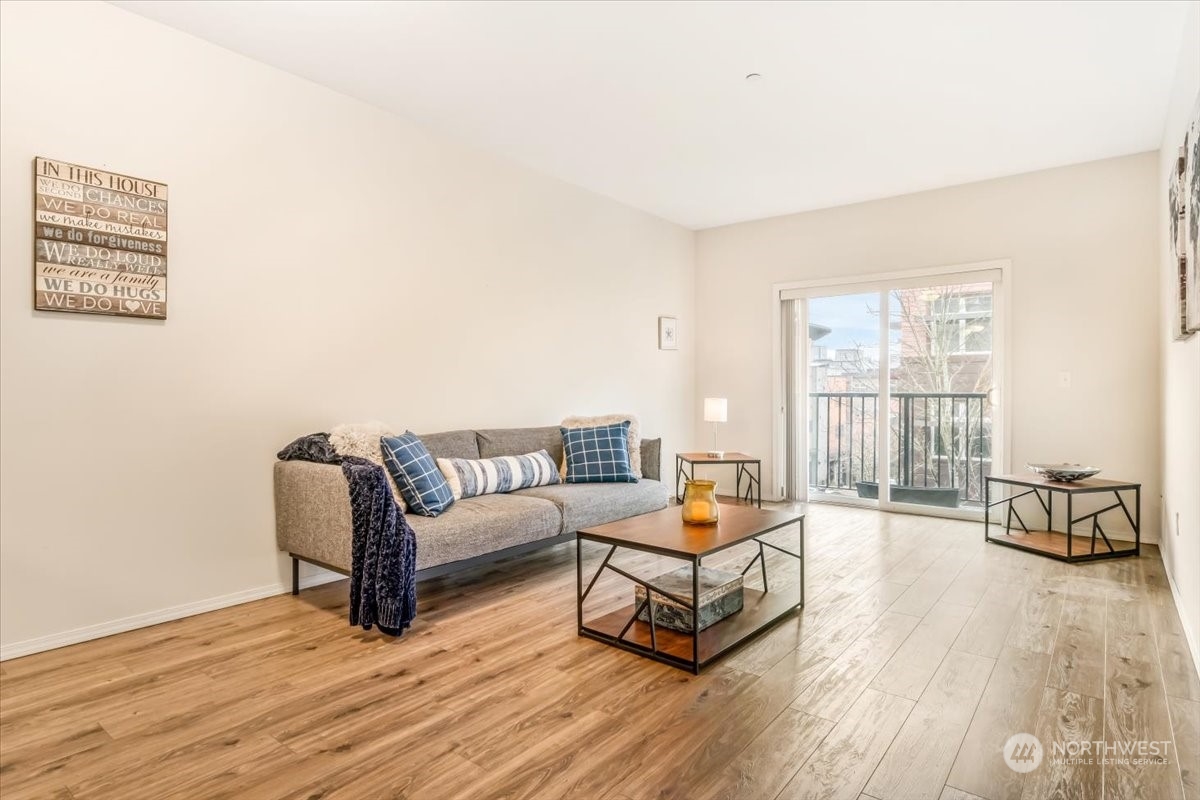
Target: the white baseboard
(99, 631)
(1193, 645)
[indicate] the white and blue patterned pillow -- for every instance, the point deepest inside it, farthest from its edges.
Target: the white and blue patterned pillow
(469, 477)
(421, 483)
(598, 455)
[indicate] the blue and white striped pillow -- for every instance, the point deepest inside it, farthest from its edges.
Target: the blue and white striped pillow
(469, 477)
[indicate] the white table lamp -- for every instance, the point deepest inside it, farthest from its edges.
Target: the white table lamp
(716, 409)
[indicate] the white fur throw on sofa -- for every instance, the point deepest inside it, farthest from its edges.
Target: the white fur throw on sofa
(361, 439)
(635, 437)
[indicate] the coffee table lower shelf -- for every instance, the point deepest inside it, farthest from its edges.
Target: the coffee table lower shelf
(760, 610)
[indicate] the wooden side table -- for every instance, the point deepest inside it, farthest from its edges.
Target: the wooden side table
(1063, 545)
(743, 463)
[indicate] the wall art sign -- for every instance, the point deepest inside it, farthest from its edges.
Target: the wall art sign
(100, 241)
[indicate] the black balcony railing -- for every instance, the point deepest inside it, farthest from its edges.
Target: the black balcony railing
(940, 445)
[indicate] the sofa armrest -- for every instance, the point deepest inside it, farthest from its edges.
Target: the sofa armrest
(652, 459)
(312, 512)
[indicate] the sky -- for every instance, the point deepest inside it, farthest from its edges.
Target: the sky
(850, 317)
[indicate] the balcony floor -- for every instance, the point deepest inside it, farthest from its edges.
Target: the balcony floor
(820, 494)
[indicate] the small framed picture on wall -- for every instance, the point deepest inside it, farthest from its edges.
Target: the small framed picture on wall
(668, 334)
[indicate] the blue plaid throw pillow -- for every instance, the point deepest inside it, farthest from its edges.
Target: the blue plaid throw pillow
(421, 482)
(598, 455)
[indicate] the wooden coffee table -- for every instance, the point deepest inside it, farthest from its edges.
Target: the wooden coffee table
(664, 533)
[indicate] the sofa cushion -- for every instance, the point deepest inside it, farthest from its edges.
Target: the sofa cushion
(451, 444)
(421, 482)
(469, 477)
(515, 441)
(586, 504)
(598, 455)
(479, 525)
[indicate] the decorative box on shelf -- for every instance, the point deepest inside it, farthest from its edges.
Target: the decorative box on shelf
(720, 596)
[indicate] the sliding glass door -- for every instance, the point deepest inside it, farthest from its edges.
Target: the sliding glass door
(894, 401)
(844, 349)
(940, 384)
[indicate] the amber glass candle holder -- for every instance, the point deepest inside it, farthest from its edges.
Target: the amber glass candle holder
(700, 503)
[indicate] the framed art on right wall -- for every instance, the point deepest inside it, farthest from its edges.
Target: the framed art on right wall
(1184, 211)
(1191, 221)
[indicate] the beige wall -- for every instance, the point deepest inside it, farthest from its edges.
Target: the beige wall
(1181, 371)
(329, 262)
(1082, 241)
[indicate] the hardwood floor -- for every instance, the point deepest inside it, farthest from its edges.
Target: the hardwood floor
(921, 650)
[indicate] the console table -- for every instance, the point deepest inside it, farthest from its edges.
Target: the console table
(1063, 545)
(743, 463)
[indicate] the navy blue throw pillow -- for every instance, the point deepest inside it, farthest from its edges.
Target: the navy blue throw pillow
(598, 455)
(421, 483)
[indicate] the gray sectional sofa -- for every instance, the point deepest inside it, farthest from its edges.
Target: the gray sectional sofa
(312, 506)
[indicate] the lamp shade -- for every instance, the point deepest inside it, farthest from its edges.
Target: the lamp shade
(716, 409)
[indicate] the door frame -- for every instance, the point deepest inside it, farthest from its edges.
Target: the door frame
(882, 282)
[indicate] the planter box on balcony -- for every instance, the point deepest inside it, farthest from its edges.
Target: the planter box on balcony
(920, 495)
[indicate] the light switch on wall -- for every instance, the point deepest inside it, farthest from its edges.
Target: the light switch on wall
(1064, 380)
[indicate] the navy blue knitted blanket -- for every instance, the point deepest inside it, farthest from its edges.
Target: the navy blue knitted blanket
(383, 587)
(383, 590)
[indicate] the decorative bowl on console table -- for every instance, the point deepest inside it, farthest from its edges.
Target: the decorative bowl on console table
(1064, 473)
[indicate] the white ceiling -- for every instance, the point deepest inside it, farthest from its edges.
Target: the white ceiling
(646, 102)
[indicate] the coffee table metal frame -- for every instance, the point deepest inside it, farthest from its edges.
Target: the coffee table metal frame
(696, 663)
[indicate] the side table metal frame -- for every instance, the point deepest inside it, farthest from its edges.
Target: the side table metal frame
(753, 493)
(1048, 506)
